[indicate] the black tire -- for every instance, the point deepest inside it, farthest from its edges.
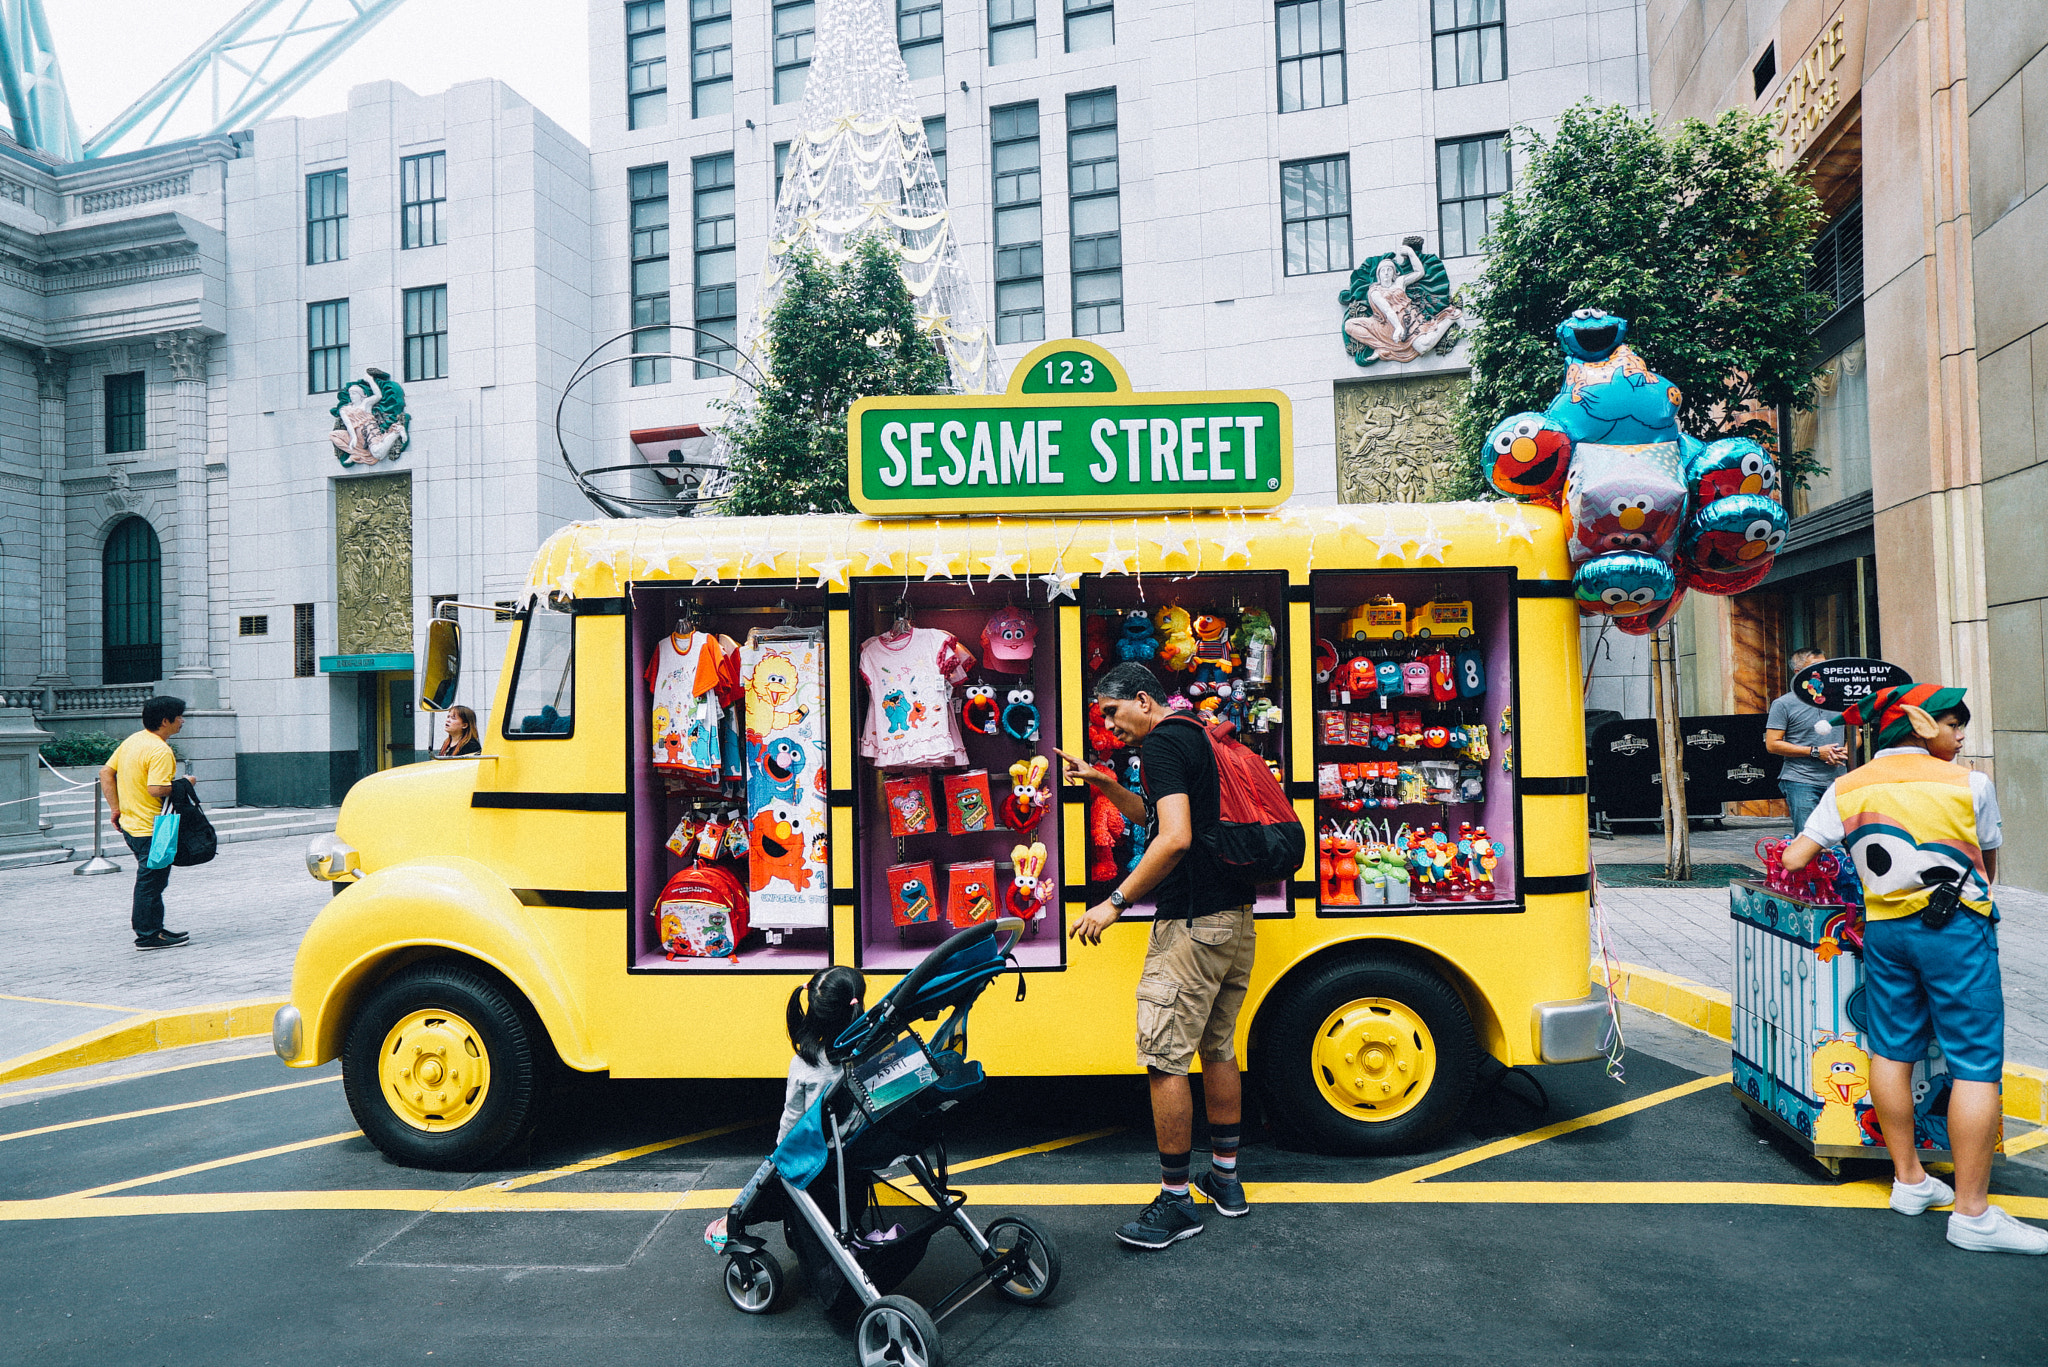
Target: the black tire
(501, 1028)
(1304, 1097)
(754, 1282)
(1038, 1280)
(896, 1332)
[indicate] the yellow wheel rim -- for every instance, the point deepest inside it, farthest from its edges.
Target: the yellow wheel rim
(1374, 1059)
(434, 1071)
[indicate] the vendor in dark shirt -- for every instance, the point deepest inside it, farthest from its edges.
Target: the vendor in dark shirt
(1198, 957)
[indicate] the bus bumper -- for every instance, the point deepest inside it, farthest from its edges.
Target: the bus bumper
(1569, 1031)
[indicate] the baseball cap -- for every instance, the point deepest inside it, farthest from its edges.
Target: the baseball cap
(1008, 640)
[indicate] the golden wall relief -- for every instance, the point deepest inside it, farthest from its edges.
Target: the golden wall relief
(1394, 439)
(373, 564)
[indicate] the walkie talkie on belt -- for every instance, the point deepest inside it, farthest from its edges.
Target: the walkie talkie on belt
(1947, 896)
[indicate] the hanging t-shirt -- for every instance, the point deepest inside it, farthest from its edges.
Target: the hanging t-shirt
(910, 678)
(683, 675)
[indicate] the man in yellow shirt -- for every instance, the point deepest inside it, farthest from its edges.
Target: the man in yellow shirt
(136, 779)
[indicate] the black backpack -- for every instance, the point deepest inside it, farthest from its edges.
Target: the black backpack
(197, 842)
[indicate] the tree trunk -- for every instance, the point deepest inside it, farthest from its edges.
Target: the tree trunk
(1664, 704)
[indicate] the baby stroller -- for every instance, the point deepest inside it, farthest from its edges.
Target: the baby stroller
(856, 1232)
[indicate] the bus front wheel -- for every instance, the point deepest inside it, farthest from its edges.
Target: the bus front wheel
(441, 1067)
(1367, 1056)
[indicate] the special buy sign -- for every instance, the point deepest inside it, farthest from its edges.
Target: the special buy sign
(1070, 436)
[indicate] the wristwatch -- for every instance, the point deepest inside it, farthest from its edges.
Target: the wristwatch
(1118, 900)
(1813, 751)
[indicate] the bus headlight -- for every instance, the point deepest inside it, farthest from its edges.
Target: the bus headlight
(330, 858)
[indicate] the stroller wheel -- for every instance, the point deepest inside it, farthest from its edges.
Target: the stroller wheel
(896, 1332)
(753, 1282)
(1031, 1283)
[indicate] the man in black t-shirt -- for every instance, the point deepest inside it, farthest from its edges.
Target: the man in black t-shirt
(1198, 960)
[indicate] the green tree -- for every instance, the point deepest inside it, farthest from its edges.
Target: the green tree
(1689, 233)
(837, 334)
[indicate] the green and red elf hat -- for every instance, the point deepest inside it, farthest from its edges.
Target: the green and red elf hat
(1903, 710)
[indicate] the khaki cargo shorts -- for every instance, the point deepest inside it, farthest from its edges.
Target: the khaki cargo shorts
(1192, 988)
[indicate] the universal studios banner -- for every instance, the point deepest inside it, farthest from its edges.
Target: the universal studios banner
(1069, 435)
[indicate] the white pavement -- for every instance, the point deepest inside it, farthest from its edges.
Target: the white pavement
(69, 799)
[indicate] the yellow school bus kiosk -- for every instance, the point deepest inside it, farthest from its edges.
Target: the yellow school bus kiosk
(838, 716)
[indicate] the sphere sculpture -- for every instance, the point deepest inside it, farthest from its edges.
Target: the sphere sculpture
(1652, 511)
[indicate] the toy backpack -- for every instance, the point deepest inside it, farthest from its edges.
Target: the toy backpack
(1259, 837)
(702, 913)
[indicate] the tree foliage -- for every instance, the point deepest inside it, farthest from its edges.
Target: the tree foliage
(1689, 233)
(837, 334)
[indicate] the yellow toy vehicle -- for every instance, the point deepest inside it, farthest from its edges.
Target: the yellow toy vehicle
(1382, 619)
(1442, 619)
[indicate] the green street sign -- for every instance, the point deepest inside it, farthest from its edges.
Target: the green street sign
(1070, 437)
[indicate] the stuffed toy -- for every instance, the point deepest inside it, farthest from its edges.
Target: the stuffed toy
(1102, 742)
(1140, 641)
(1029, 794)
(1028, 892)
(1176, 637)
(1106, 826)
(1098, 639)
(1213, 659)
(1254, 644)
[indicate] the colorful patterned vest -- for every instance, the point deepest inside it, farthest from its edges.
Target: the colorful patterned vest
(1905, 814)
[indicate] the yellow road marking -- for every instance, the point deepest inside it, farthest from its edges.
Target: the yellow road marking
(588, 1164)
(1582, 1122)
(125, 1077)
(161, 1110)
(2025, 1142)
(971, 1164)
(216, 1163)
(54, 1001)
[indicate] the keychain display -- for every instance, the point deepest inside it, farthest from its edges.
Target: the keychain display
(911, 889)
(968, 805)
(970, 893)
(910, 805)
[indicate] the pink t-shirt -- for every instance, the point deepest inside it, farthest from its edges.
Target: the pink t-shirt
(910, 678)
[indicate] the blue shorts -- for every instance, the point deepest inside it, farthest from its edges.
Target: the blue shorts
(1923, 985)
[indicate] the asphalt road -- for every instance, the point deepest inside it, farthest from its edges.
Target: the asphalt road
(256, 1227)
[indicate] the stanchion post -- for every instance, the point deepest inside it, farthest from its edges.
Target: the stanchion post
(99, 863)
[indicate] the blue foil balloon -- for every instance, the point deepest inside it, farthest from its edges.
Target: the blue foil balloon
(1732, 465)
(1623, 584)
(1728, 546)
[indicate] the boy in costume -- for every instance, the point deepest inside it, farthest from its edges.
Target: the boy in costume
(1917, 824)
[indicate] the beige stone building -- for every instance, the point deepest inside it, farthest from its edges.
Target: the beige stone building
(1910, 119)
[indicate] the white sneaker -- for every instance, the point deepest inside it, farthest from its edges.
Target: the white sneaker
(1995, 1232)
(1917, 1200)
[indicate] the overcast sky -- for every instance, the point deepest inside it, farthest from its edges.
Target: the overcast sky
(114, 50)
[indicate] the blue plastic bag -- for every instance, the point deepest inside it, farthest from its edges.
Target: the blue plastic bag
(163, 845)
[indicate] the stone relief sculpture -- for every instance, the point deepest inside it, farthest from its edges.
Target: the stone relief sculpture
(1394, 439)
(370, 421)
(373, 564)
(1398, 307)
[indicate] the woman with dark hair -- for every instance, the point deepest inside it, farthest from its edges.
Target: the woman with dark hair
(460, 725)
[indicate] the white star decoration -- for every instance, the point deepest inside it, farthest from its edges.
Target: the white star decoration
(937, 565)
(1001, 565)
(1060, 582)
(663, 564)
(604, 554)
(878, 553)
(1170, 542)
(1430, 546)
(830, 572)
(1112, 558)
(1389, 541)
(1518, 525)
(762, 553)
(706, 571)
(1233, 544)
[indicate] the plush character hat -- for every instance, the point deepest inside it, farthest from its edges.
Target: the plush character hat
(1009, 638)
(1903, 710)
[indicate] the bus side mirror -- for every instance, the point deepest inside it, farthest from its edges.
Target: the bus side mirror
(443, 665)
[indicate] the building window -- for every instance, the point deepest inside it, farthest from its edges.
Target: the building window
(1836, 430)
(710, 58)
(1837, 269)
(1311, 36)
(422, 196)
(718, 291)
(782, 165)
(253, 626)
(796, 22)
(646, 64)
(935, 138)
(1012, 31)
(304, 662)
(1471, 176)
(649, 192)
(1020, 230)
(1096, 213)
(1471, 42)
(127, 413)
(426, 333)
(1315, 215)
(1090, 24)
(920, 37)
(131, 602)
(326, 346)
(326, 217)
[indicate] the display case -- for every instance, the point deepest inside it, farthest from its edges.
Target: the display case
(948, 837)
(728, 866)
(1412, 736)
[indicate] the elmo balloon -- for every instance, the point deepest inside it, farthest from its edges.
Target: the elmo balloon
(1528, 454)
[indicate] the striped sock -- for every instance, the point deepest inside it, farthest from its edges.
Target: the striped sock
(1173, 1172)
(1223, 1148)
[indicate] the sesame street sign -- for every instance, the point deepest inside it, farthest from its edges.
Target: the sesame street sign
(1070, 436)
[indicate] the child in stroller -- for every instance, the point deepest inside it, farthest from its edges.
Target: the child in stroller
(886, 1103)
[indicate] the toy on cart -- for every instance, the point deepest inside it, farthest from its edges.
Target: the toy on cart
(1442, 619)
(857, 1234)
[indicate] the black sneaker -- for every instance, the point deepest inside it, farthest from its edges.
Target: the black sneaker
(1224, 1191)
(1168, 1220)
(162, 939)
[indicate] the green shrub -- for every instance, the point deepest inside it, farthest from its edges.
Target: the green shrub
(80, 747)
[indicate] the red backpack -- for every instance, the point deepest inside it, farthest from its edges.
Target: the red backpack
(1259, 837)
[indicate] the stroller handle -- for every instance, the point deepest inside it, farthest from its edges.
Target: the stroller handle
(912, 983)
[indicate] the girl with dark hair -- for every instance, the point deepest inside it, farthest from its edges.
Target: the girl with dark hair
(835, 997)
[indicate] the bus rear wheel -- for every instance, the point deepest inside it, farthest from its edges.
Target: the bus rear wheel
(442, 1068)
(1367, 1056)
